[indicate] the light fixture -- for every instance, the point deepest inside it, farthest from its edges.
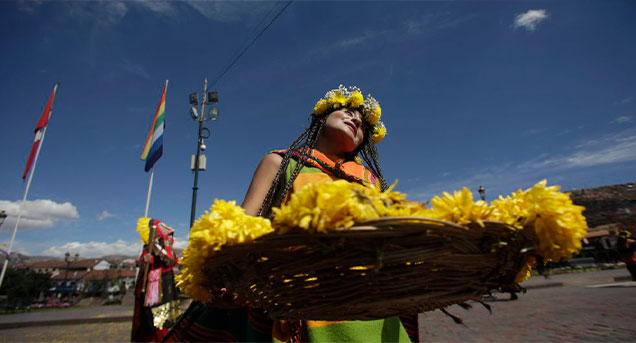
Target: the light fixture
(213, 97)
(194, 99)
(193, 113)
(214, 113)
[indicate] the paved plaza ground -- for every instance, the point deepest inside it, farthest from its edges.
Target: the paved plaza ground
(585, 307)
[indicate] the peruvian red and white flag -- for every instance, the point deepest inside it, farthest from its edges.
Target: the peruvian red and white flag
(39, 131)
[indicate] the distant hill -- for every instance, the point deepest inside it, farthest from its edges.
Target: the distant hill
(18, 258)
(608, 205)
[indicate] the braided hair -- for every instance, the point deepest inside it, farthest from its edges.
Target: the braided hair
(303, 145)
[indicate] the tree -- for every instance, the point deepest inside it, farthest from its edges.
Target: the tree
(24, 284)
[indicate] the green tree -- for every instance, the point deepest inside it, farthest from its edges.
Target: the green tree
(22, 284)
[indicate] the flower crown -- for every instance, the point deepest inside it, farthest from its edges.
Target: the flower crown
(351, 97)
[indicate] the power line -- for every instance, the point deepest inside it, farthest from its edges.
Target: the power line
(251, 43)
(253, 32)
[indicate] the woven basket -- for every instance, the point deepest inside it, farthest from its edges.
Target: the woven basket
(380, 268)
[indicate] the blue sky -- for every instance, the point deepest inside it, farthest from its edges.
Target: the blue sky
(499, 94)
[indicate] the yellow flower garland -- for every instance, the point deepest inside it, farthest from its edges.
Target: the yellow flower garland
(352, 97)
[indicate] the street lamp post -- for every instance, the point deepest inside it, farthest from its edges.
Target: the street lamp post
(68, 260)
(482, 192)
(204, 133)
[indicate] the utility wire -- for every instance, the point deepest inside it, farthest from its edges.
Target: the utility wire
(253, 32)
(251, 43)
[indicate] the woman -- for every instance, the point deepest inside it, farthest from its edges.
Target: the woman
(156, 302)
(344, 130)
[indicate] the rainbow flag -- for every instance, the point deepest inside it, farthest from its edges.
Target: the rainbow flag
(153, 149)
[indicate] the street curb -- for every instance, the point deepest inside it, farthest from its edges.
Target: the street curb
(16, 325)
(544, 285)
(622, 278)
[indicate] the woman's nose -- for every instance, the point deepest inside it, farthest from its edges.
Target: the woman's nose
(357, 119)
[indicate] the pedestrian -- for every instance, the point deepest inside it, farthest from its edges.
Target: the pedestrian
(340, 143)
(626, 246)
(156, 302)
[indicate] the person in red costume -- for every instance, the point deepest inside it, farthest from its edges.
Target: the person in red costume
(156, 303)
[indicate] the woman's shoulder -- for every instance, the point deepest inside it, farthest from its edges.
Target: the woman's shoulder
(271, 160)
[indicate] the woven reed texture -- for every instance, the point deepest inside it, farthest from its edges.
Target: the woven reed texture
(381, 268)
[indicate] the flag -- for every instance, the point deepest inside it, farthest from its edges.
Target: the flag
(39, 132)
(153, 149)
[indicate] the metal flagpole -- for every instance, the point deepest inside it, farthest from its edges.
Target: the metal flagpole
(15, 228)
(152, 173)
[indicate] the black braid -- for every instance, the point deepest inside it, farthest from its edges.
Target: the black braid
(267, 202)
(375, 166)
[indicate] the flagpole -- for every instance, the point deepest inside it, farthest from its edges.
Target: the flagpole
(152, 173)
(26, 191)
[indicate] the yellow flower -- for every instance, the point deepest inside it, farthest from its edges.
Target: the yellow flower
(225, 224)
(511, 210)
(358, 159)
(558, 223)
(459, 208)
(379, 131)
(374, 116)
(333, 205)
(355, 100)
(408, 209)
(526, 271)
(143, 229)
(321, 107)
(338, 100)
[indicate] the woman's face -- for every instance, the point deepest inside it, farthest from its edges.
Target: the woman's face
(345, 128)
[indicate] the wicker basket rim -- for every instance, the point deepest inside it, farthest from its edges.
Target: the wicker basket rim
(372, 223)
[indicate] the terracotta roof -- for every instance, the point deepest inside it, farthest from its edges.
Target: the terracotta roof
(110, 274)
(79, 264)
(47, 264)
(87, 263)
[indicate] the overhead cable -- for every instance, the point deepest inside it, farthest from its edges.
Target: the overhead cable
(250, 44)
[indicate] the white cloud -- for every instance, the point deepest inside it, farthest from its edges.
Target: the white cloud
(181, 242)
(98, 249)
(106, 13)
(612, 148)
(433, 22)
(105, 214)
(100, 13)
(41, 213)
(530, 19)
(622, 119)
(229, 11)
(160, 7)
